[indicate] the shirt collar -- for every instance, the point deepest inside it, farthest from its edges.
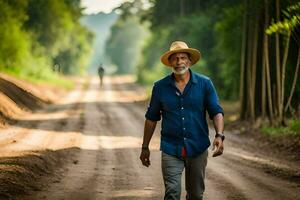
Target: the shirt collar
(193, 78)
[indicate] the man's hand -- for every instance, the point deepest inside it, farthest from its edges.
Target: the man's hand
(218, 145)
(145, 157)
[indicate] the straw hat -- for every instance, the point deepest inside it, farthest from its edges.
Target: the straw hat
(180, 47)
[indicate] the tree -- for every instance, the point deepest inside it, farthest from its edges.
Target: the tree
(268, 64)
(35, 34)
(126, 39)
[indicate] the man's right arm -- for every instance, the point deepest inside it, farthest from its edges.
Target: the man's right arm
(148, 133)
(152, 115)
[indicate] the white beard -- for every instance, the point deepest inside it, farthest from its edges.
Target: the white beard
(180, 72)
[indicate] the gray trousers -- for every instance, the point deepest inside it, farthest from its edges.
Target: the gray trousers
(172, 168)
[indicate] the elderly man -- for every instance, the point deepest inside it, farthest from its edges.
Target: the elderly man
(182, 99)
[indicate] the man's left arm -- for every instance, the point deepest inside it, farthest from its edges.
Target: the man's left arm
(216, 114)
(218, 145)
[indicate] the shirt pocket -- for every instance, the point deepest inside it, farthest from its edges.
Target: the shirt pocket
(170, 105)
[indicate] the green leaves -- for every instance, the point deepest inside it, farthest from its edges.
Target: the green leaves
(36, 35)
(289, 23)
(125, 43)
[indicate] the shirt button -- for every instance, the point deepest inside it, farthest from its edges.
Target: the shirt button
(184, 138)
(181, 108)
(183, 118)
(183, 128)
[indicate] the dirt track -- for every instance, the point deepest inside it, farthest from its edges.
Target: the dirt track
(106, 125)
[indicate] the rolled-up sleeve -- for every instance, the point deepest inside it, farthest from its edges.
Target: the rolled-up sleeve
(211, 100)
(154, 109)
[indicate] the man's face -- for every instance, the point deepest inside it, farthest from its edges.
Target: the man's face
(180, 63)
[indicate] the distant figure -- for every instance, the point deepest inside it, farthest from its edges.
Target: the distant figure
(101, 74)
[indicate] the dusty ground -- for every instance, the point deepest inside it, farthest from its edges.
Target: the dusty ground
(90, 142)
(19, 97)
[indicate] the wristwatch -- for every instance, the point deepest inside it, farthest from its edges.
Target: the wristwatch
(221, 135)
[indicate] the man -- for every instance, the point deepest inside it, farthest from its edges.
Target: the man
(182, 99)
(101, 73)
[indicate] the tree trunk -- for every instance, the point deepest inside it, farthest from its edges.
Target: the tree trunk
(249, 74)
(286, 52)
(253, 68)
(267, 64)
(249, 77)
(278, 71)
(263, 81)
(242, 67)
(294, 82)
(182, 8)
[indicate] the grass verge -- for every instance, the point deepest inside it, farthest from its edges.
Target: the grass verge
(53, 79)
(292, 128)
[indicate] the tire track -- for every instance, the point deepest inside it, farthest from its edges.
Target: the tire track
(128, 168)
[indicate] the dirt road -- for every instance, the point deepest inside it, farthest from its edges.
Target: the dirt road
(106, 125)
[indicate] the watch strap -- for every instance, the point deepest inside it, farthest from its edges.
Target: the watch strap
(220, 135)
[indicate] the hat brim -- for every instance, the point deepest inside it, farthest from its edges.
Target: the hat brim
(194, 53)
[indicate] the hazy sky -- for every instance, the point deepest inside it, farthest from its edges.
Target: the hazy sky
(95, 6)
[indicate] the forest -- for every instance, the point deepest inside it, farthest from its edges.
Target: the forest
(250, 49)
(41, 39)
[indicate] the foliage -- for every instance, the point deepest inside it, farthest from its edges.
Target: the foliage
(149, 68)
(166, 12)
(15, 44)
(228, 47)
(292, 128)
(73, 59)
(208, 28)
(46, 30)
(290, 22)
(35, 35)
(269, 66)
(127, 38)
(237, 54)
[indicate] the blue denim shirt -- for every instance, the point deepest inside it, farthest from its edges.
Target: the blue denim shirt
(184, 114)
